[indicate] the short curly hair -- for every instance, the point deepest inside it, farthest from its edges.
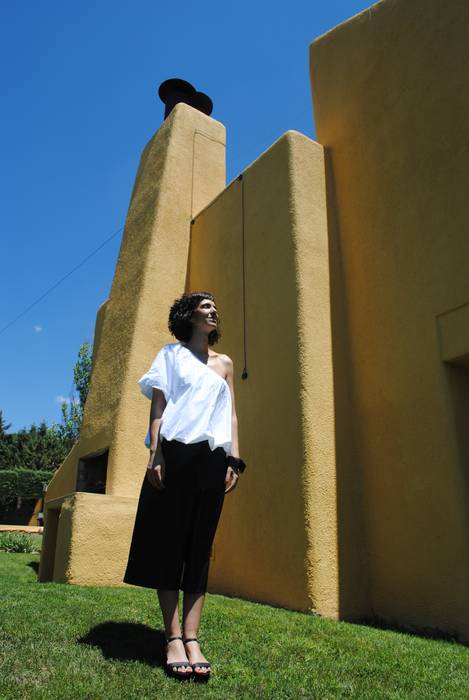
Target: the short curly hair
(181, 312)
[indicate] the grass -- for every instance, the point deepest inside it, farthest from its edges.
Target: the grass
(86, 643)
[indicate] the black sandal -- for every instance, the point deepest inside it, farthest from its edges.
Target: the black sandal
(199, 664)
(173, 666)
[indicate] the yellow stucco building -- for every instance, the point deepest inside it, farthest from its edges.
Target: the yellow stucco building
(341, 271)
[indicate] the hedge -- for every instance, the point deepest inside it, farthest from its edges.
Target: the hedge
(23, 483)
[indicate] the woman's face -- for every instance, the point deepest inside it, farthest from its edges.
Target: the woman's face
(205, 315)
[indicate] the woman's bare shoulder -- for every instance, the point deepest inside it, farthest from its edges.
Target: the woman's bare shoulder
(227, 361)
(221, 355)
(223, 360)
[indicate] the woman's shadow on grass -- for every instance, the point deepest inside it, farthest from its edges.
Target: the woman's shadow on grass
(127, 641)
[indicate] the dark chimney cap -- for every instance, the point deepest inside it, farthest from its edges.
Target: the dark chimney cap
(176, 90)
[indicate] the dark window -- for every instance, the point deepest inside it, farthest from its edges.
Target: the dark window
(92, 470)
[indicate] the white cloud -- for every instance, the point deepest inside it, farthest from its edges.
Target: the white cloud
(38, 329)
(60, 399)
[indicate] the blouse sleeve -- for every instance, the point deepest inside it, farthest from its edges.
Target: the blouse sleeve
(158, 376)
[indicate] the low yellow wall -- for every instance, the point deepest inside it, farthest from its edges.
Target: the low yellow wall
(91, 539)
(391, 96)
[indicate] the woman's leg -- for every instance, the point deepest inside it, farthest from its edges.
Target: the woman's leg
(163, 523)
(210, 469)
(191, 614)
(169, 604)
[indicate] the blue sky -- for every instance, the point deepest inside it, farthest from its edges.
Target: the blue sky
(79, 103)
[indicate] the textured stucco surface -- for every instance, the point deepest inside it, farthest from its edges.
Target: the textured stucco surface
(90, 539)
(182, 168)
(277, 538)
(391, 99)
(97, 531)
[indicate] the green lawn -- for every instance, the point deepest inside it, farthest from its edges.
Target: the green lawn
(61, 641)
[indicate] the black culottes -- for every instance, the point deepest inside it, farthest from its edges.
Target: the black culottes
(174, 527)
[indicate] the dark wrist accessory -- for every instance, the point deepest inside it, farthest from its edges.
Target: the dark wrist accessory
(236, 463)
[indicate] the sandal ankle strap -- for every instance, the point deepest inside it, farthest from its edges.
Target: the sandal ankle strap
(175, 636)
(192, 639)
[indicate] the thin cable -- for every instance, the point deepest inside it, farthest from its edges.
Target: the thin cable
(243, 223)
(62, 279)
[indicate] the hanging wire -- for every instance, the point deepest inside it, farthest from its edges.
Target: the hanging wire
(62, 279)
(243, 262)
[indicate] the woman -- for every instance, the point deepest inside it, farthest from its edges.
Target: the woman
(194, 461)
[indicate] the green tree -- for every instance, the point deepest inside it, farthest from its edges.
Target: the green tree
(72, 413)
(38, 447)
(4, 426)
(43, 447)
(6, 444)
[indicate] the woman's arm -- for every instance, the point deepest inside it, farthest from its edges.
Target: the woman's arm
(234, 418)
(156, 460)
(231, 478)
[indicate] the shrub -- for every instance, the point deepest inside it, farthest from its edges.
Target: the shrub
(23, 483)
(19, 542)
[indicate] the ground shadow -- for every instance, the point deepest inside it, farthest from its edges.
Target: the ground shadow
(425, 632)
(34, 565)
(127, 641)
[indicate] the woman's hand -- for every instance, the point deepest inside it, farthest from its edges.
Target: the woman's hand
(156, 470)
(231, 479)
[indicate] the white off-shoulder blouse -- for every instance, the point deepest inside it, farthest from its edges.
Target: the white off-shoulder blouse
(198, 400)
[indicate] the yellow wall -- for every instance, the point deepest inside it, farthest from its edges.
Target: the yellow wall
(277, 542)
(391, 102)
(37, 509)
(80, 543)
(277, 538)
(181, 169)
